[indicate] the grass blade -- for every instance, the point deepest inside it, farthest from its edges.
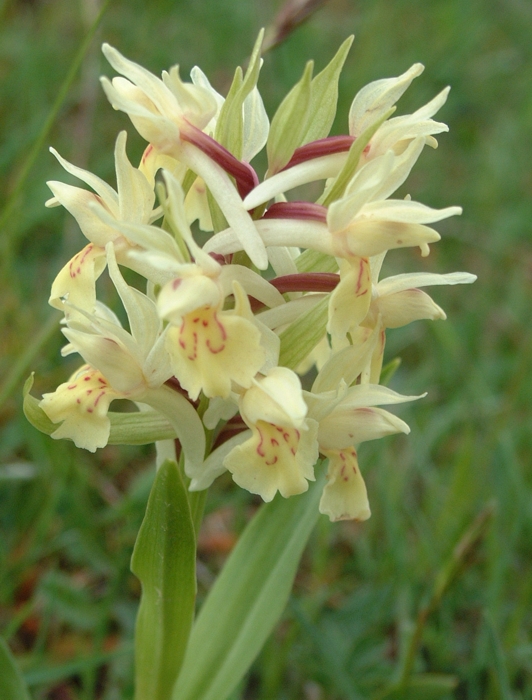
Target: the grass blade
(12, 687)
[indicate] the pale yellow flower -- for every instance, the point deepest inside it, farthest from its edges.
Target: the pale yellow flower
(80, 405)
(346, 418)
(171, 114)
(98, 214)
(212, 348)
(282, 450)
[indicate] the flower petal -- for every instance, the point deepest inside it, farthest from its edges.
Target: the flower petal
(81, 405)
(316, 169)
(108, 196)
(402, 308)
(409, 280)
(350, 300)
(368, 237)
(407, 211)
(276, 398)
(77, 281)
(86, 208)
(210, 350)
(213, 466)
(375, 99)
(275, 459)
(344, 496)
(344, 428)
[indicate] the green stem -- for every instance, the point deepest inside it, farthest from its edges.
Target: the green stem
(196, 500)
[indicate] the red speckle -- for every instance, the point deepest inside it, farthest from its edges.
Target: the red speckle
(86, 379)
(78, 400)
(71, 386)
(221, 327)
(260, 449)
(147, 152)
(90, 410)
(223, 339)
(361, 270)
(175, 284)
(102, 393)
(215, 351)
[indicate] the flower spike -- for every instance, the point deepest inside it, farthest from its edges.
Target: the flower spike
(228, 321)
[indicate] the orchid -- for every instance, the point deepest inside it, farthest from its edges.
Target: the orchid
(282, 449)
(255, 341)
(171, 114)
(217, 329)
(99, 216)
(363, 223)
(347, 416)
(120, 365)
(369, 124)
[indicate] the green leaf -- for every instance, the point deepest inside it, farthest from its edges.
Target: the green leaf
(337, 188)
(164, 559)
(289, 123)
(248, 598)
(139, 428)
(230, 124)
(302, 336)
(324, 96)
(12, 686)
(230, 118)
(314, 261)
(424, 686)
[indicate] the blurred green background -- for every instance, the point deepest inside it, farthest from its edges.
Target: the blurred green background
(441, 576)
